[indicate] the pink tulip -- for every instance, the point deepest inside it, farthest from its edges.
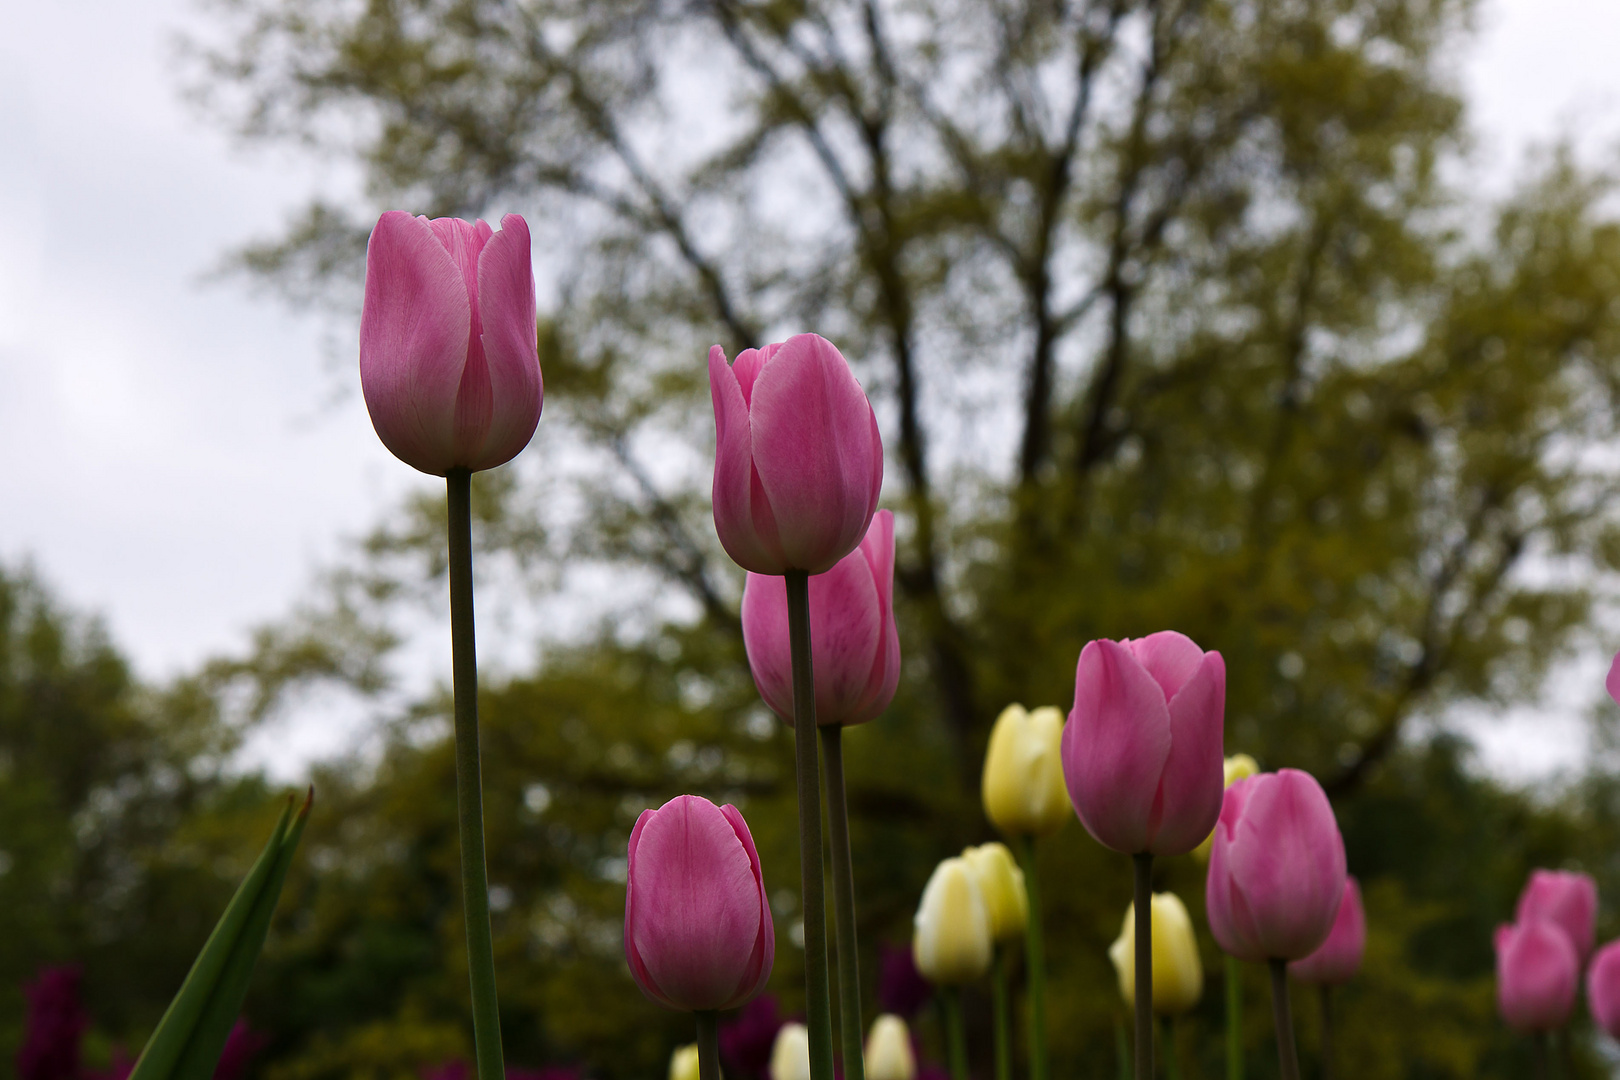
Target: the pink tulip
(1612, 683)
(1566, 899)
(1603, 988)
(798, 462)
(1276, 871)
(1536, 973)
(854, 645)
(1339, 957)
(1142, 748)
(697, 927)
(448, 358)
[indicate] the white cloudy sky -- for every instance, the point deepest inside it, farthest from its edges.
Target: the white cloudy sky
(175, 458)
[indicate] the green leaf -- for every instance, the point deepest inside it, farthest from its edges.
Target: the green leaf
(192, 1033)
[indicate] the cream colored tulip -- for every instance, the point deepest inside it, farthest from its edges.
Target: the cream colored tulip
(1023, 788)
(951, 941)
(683, 1063)
(888, 1050)
(790, 1054)
(1002, 885)
(1238, 767)
(1178, 976)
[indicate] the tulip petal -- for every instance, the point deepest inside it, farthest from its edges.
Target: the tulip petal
(1115, 745)
(1287, 857)
(765, 636)
(506, 305)
(878, 550)
(736, 485)
(1612, 683)
(1189, 798)
(632, 956)
(759, 971)
(846, 632)
(1171, 658)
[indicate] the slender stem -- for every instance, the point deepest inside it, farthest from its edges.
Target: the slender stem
(708, 1032)
(1566, 1052)
(1542, 1054)
(1172, 1064)
(469, 787)
(1326, 992)
(1234, 1019)
(1122, 1048)
(1142, 895)
(1034, 960)
(1003, 1014)
(1283, 1017)
(955, 1033)
(849, 968)
(818, 1005)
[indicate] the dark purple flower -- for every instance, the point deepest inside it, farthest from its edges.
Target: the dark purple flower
(56, 1023)
(746, 1039)
(241, 1045)
(901, 988)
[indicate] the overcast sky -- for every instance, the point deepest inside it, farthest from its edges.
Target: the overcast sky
(176, 460)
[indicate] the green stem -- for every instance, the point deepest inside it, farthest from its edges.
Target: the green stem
(849, 968)
(1122, 1048)
(1034, 961)
(1283, 1017)
(1003, 1014)
(955, 1033)
(1142, 894)
(1234, 1019)
(1542, 1054)
(1566, 1052)
(1172, 1064)
(1326, 993)
(469, 788)
(818, 1005)
(708, 1042)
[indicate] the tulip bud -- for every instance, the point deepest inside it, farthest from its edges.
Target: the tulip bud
(697, 927)
(1023, 773)
(1339, 957)
(1566, 899)
(951, 941)
(449, 363)
(790, 1057)
(1237, 767)
(1276, 874)
(1001, 884)
(888, 1050)
(1612, 682)
(1536, 975)
(1603, 988)
(1142, 749)
(1178, 975)
(683, 1063)
(854, 644)
(798, 461)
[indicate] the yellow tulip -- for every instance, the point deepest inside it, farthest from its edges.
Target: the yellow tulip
(683, 1063)
(1023, 788)
(888, 1050)
(790, 1054)
(1178, 977)
(951, 941)
(1002, 885)
(1238, 767)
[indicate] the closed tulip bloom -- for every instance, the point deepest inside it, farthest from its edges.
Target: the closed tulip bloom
(854, 643)
(683, 1063)
(790, 1055)
(448, 359)
(1536, 975)
(1276, 874)
(1339, 958)
(1603, 988)
(888, 1050)
(697, 927)
(1178, 975)
(1566, 899)
(1142, 749)
(1237, 767)
(1023, 786)
(951, 939)
(798, 462)
(1001, 884)
(1612, 683)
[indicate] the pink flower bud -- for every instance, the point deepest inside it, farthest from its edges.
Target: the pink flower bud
(798, 462)
(1339, 958)
(448, 357)
(1566, 899)
(1536, 973)
(697, 927)
(1142, 748)
(1603, 988)
(1276, 872)
(854, 645)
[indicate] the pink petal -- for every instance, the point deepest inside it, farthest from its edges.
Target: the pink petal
(1193, 781)
(1603, 988)
(1287, 857)
(1115, 745)
(1171, 658)
(632, 957)
(747, 367)
(878, 550)
(1537, 974)
(507, 305)
(736, 486)
(1612, 683)
(764, 957)
(765, 638)
(1339, 958)
(1565, 898)
(846, 634)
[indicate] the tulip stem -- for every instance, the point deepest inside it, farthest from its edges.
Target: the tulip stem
(818, 1005)
(1034, 960)
(849, 970)
(1003, 1018)
(1283, 1017)
(469, 786)
(1172, 1064)
(1122, 1048)
(1326, 993)
(1234, 1019)
(955, 1032)
(1142, 863)
(1542, 1054)
(708, 1043)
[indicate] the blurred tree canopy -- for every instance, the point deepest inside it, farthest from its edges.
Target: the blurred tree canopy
(1176, 313)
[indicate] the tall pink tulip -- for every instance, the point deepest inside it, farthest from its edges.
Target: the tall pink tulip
(798, 461)
(697, 926)
(1339, 957)
(854, 643)
(1612, 683)
(1276, 872)
(1603, 988)
(1566, 899)
(448, 357)
(1536, 975)
(1142, 748)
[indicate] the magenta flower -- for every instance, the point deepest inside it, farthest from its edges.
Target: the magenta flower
(55, 1026)
(854, 645)
(747, 1038)
(798, 461)
(1567, 900)
(1536, 975)
(1142, 748)
(1339, 957)
(449, 362)
(1276, 871)
(1612, 683)
(1603, 988)
(697, 927)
